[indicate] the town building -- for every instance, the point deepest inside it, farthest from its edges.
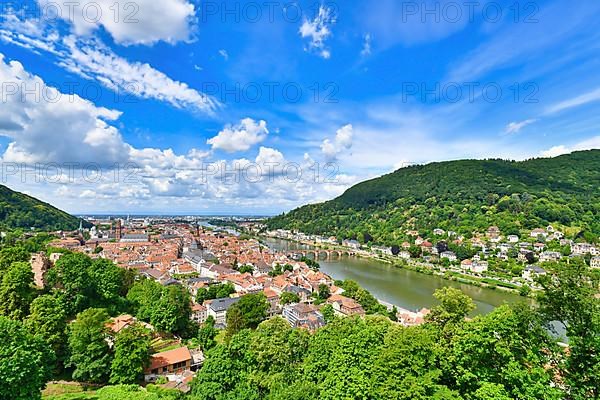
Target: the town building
(135, 238)
(168, 362)
(218, 309)
(532, 271)
(303, 315)
(199, 313)
(345, 306)
(449, 255)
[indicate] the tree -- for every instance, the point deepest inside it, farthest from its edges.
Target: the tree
(90, 353)
(167, 308)
(288, 298)
(107, 283)
(17, 291)
(508, 349)
(324, 292)
(415, 251)
(132, 355)
(407, 365)
(10, 255)
(246, 269)
(70, 275)
(207, 334)
(491, 391)
(570, 296)
(454, 306)
(328, 313)
(441, 246)
(25, 362)
(172, 312)
(48, 322)
(248, 312)
(217, 291)
(143, 296)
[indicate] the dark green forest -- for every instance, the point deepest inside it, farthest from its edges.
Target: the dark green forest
(18, 210)
(464, 196)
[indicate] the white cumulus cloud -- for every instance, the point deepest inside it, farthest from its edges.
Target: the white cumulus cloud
(589, 144)
(240, 137)
(342, 141)
(139, 22)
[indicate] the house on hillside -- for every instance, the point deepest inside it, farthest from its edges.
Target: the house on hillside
(449, 255)
(532, 271)
(538, 232)
(493, 233)
(513, 238)
(550, 256)
(353, 244)
(345, 306)
(172, 362)
(581, 249)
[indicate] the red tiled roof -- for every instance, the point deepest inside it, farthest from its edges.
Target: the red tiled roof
(170, 357)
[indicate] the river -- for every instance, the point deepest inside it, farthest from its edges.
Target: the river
(403, 288)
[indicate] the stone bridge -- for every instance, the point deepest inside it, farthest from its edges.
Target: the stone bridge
(321, 254)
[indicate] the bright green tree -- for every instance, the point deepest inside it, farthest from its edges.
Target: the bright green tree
(132, 355)
(248, 312)
(48, 322)
(570, 296)
(17, 291)
(90, 353)
(289, 298)
(453, 308)
(207, 334)
(25, 362)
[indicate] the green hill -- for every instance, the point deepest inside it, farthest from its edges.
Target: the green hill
(17, 210)
(465, 196)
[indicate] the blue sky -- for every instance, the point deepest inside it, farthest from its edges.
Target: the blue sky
(258, 107)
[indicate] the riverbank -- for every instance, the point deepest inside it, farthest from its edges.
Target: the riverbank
(420, 267)
(403, 287)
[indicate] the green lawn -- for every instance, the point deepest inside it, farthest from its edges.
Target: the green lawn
(68, 391)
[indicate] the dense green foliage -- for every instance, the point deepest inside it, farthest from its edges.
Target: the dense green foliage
(248, 312)
(212, 292)
(90, 353)
(462, 196)
(86, 283)
(289, 298)
(25, 363)
(352, 358)
(132, 355)
(18, 210)
(48, 322)
(166, 308)
(571, 296)
(17, 291)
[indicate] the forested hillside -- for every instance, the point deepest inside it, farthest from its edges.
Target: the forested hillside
(17, 210)
(463, 196)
